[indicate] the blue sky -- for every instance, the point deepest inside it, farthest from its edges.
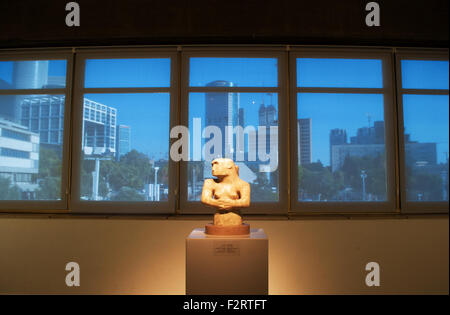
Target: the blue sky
(426, 117)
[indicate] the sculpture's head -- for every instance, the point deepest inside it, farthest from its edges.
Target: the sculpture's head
(222, 167)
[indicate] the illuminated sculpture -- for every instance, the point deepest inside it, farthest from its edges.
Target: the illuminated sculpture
(228, 193)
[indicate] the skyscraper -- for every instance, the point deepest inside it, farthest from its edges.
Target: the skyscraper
(304, 144)
(221, 110)
(32, 74)
(123, 140)
(337, 137)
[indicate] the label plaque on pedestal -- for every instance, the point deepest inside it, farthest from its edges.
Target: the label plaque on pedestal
(227, 264)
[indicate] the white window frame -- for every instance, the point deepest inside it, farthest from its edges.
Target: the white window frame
(391, 203)
(122, 207)
(416, 54)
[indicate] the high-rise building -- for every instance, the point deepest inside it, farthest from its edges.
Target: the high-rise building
(304, 144)
(99, 129)
(221, 110)
(44, 114)
(123, 140)
(32, 74)
(379, 131)
(267, 118)
(337, 137)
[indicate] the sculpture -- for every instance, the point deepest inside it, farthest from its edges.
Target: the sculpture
(228, 193)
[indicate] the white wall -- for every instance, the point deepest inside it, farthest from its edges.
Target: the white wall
(144, 256)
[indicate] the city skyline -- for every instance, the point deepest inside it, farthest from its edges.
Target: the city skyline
(204, 70)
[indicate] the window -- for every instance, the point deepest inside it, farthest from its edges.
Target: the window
(123, 126)
(314, 130)
(424, 100)
(38, 169)
(233, 107)
(342, 122)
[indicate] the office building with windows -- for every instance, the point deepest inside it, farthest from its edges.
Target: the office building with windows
(44, 114)
(304, 141)
(99, 129)
(222, 110)
(123, 140)
(19, 157)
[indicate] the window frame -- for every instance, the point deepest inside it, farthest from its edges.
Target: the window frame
(280, 207)
(179, 90)
(122, 207)
(388, 92)
(427, 207)
(45, 206)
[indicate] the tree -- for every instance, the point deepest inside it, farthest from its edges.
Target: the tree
(8, 192)
(317, 181)
(374, 167)
(261, 189)
(49, 176)
(133, 171)
(427, 186)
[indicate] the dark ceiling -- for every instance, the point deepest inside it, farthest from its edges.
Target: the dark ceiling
(32, 23)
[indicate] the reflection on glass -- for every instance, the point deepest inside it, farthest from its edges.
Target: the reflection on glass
(342, 73)
(253, 145)
(243, 72)
(426, 147)
(136, 72)
(424, 74)
(341, 147)
(30, 161)
(125, 147)
(33, 74)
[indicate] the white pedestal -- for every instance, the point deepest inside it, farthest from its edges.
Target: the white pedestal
(227, 264)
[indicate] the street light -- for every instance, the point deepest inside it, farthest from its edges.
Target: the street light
(96, 173)
(363, 177)
(156, 183)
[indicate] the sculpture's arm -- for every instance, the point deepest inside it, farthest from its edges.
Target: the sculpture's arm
(207, 194)
(242, 202)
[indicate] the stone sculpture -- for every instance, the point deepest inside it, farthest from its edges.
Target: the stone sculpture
(228, 193)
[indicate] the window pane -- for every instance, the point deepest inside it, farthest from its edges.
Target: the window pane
(344, 73)
(34, 74)
(424, 74)
(210, 114)
(124, 73)
(244, 72)
(30, 165)
(125, 156)
(341, 147)
(426, 147)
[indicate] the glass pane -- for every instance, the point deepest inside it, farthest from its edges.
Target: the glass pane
(254, 118)
(30, 163)
(344, 73)
(125, 156)
(341, 147)
(424, 74)
(33, 74)
(244, 72)
(109, 73)
(426, 147)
